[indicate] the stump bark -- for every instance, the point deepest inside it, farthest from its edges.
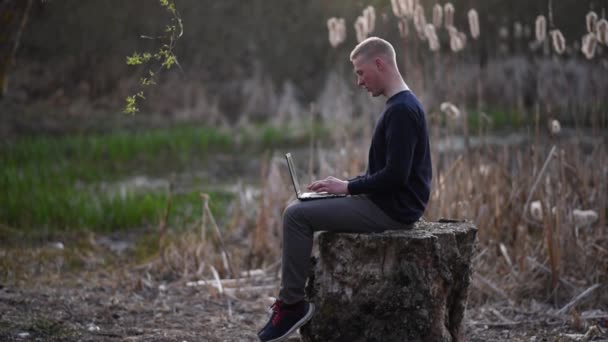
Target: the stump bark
(394, 286)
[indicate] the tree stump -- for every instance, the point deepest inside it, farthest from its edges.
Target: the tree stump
(394, 286)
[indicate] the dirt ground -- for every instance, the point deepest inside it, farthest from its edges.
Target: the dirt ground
(104, 297)
(102, 309)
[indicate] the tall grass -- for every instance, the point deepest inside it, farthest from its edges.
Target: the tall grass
(66, 183)
(551, 257)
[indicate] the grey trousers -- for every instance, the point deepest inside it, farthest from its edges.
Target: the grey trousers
(351, 214)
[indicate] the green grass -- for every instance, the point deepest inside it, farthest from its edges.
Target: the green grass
(52, 184)
(119, 147)
(500, 119)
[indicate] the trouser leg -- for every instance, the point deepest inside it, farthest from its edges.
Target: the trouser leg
(352, 214)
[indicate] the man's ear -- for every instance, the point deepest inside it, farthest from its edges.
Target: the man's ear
(379, 63)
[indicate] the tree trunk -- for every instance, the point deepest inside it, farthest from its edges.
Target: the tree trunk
(395, 286)
(13, 16)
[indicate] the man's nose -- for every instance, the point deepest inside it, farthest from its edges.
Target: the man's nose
(359, 81)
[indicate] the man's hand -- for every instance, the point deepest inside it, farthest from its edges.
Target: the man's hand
(331, 185)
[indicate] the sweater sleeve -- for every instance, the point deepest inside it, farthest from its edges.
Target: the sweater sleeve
(354, 178)
(401, 135)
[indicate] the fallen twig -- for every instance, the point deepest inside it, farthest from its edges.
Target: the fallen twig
(547, 270)
(512, 323)
(493, 287)
(250, 289)
(577, 299)
(229, 282)
(216, 275)
(502, 317)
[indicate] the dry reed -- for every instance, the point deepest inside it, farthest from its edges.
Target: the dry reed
(488, 188)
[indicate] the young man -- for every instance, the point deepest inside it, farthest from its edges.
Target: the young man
(392, 194)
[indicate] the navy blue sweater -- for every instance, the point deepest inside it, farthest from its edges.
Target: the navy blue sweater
(399, 172)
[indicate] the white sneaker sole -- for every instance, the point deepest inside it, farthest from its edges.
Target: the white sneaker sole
(301, 322)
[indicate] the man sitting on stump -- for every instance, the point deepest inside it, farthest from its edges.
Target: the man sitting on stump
(391, 195)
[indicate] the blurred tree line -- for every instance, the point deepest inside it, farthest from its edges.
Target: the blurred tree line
(76, 45)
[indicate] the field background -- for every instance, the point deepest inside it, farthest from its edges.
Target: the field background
(151, 226)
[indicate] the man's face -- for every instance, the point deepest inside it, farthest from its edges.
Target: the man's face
(368, 75)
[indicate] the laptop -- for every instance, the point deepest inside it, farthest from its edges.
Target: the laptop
(305, 196)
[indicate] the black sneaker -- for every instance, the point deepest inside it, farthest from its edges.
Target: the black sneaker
(285, 319)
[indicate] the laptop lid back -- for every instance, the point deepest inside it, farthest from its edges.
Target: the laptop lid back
(292, 172)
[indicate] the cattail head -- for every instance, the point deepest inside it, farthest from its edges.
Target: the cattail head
(555, 127)
(591, 20)
(602, 31)
(450, 110)
(404, 28)
(463, 39)
(448, 13)
(503, 32)
(369, 13)
(361, 28)
(431, 36)
(396, 8)
(536, 210)
(429, 30)
(518, 30)
(452, 31)
(541, 28)
(456, 44)
(331, 24)
(331, 29)
(337, 31)
(484, 170)
(420, 21)
(474, 23)
(558, 40)
(407, 7)
(457, 39)
(437, 15)
(584, 217)
(589, 45)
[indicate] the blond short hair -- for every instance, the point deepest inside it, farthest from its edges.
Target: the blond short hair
(373, 47)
